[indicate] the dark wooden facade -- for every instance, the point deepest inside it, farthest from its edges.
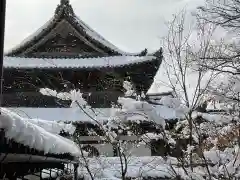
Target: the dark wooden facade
(66, 36)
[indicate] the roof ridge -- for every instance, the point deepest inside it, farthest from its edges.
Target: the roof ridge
(64, 1)
(64, 9)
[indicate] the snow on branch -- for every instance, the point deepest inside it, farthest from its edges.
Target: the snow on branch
(136, 110)
(128, 86)
(74, 95)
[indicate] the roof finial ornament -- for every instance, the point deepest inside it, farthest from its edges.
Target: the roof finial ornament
(64, 2)
(64, 7)
(159, 53)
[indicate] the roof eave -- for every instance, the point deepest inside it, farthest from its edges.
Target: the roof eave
(150, 59)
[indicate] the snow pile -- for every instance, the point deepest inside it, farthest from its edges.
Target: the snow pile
(129, 89)
(217, 118)
(136, 110)
(29, 134)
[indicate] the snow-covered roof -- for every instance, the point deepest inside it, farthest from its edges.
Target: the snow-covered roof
(64, 114)
(54, 127)
(75, 114)
(66, 10)
(24, 131)
(31, 36)
(101, 62)
(168, 113)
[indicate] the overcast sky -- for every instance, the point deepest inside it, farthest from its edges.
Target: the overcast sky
(132, 25)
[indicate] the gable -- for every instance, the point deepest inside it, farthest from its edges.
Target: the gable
(63, 40)
(66, 26)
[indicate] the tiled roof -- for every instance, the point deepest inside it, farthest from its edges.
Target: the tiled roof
(64, 114)
(66, 8)
(31, 36)
(75, 114)
(101, 62)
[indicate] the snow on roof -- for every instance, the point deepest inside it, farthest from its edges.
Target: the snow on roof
(31, 36)
(54, 126)
(111, 61)
(64, 114)
(168, 113)
(89, 31)
(25, 132)
(217, 118)
(75, 114)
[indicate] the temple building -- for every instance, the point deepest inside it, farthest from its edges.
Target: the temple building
(64, 54)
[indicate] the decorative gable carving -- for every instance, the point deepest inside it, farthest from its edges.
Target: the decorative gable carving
(69, 45)
(64, 40)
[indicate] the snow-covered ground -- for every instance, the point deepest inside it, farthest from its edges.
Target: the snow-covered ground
(137, 167)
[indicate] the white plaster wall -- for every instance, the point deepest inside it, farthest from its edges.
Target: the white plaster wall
(140, 150)
(129, 149)
(103, 149)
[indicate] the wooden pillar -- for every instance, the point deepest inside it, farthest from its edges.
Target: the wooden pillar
(75, 171)
(40, 175)
(2, 30)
